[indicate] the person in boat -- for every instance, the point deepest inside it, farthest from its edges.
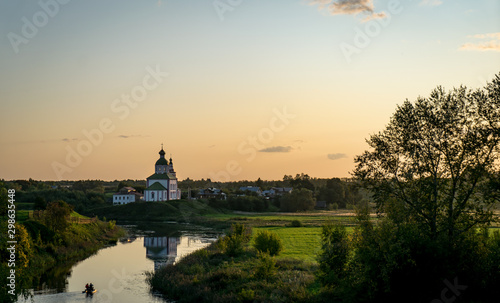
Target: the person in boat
(91, 287)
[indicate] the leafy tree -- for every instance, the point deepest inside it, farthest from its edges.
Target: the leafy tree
(268, 242)
(40, 203)
(121, 185)
(259, 183)
(300, 181)
(437, 158)
(333, 192)
(334, 254)
(298, 200)
(56, 215)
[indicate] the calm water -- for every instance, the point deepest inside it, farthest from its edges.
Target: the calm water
(118, 272)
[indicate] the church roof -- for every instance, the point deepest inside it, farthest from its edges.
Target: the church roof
(166, 176)
(162, 161)
(156, 186)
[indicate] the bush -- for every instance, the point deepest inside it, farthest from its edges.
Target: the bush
(333, 206)
(334, 253)
(232, 243)
(246, 295)
(266, 267)
(269, 242)
(296, 223)
(242, 230)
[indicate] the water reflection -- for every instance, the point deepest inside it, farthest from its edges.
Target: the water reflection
(162, 250)
(118, 271)
(168, 250)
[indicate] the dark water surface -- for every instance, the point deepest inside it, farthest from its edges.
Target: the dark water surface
(118, 272)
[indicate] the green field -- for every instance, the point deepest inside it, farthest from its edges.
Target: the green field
(298, 242)
(280, 219)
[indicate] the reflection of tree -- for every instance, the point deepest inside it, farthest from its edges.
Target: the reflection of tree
(162, 250)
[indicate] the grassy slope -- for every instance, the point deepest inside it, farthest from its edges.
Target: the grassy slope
(298, 242)
(180, 210)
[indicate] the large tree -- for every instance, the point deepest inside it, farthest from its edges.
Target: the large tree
(437, 158)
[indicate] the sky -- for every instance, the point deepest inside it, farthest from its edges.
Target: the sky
(233, 89)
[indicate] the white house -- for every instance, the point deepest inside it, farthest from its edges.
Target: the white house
(126, 195)
(162, 185)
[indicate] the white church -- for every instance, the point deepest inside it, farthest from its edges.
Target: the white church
(162, 185)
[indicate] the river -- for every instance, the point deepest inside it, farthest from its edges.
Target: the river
(118, 272)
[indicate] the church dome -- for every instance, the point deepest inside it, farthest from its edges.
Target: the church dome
(162, 161)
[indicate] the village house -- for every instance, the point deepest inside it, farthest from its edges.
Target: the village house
(126, 195)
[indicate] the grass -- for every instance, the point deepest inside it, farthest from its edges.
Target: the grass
(77, 215)
(210, 275)
(22, 215)
(301, 243)
(283, 219)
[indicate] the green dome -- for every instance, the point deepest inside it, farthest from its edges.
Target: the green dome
(162, 161)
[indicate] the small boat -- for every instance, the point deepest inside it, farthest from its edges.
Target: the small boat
(89, 292)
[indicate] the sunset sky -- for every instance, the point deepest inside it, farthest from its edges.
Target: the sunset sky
(234, 89)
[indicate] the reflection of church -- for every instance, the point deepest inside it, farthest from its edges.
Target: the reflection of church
(162, 250)
(168, 250)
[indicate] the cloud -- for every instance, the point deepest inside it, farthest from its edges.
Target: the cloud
(486, 36)
(69, 140)
(130, 136)
(381, 15)
(277, 149)
(350, 7)
(488, 42)
(336, 156)
(430, 2)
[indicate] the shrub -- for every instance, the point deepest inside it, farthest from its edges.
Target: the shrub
(334, 253)
(241, 230)
(246, 295)
(266, 267)
(333, 206)
(296, 223)
(233, 245)
(267, 241)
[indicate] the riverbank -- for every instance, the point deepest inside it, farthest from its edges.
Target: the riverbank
(39, 249)
(224, 273)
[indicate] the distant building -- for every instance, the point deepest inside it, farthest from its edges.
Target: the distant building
(321, 204)
(211, 192)
(277, 191)
(126, 195)
(254, 189)
(162, 185)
